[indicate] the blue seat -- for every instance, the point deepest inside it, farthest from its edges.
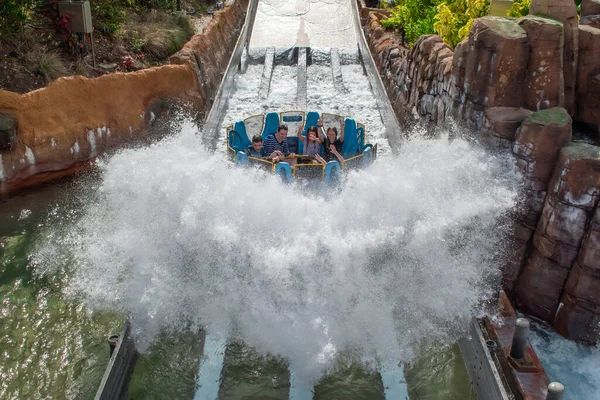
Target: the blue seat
(352, 134)
(271, 124)
(237, 138)
(311, 119)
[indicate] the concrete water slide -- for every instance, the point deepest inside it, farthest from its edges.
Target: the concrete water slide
(289, 31)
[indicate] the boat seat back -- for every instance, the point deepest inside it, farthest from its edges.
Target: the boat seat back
(352, 138)
(311, 119)
(271, 124)
(237, 138)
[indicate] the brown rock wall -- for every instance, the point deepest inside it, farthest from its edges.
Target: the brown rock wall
(590, 13)
(543, 86)
(578, 316)
(536, 148)
(74, 119)
(564, 11)
(573, 196)
(491, 81)
(590, 7)
(588, 77)
(497, 47)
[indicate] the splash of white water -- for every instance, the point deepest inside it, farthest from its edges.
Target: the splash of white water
(395, 260)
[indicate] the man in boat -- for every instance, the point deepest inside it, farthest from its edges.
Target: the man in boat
(256, 150)
(276, 147)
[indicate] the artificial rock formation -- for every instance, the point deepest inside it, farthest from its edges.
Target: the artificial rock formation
(490, 60)
(72, 120)
(63, 126)
(578, 314)
(572, 199)
(590, 13)
(543, 86)
(588, 76)
(564, 11)
(519, 84)
(536, 147)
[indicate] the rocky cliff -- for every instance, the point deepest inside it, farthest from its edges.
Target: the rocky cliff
(520, 84)
(54, 131)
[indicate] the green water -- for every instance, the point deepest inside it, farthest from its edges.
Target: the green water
(54, 348)
(249, 375)
(440, 374)
(168, 369)
(50, 348)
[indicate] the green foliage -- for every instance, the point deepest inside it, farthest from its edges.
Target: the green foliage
(15, 13)
(413, 17)
(455, 17)
(138, 44)
(519, 8)
(109, 15)
(451, 19)
(176, 41)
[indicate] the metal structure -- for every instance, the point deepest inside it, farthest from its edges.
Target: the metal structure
(81, 19)
(115, 380)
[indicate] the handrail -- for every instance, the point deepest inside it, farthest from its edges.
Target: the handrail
(388, 116)
(221, 98)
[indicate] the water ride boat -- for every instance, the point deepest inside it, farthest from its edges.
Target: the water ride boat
(355, 152)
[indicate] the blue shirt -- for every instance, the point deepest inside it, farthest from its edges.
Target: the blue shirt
(271, 144)
(257, 154)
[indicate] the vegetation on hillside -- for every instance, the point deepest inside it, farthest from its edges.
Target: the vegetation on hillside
(37, 44)
(455, 18)
(451, 19)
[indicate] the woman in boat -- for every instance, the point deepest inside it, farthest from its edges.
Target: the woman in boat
(332, 144)
(312, 143)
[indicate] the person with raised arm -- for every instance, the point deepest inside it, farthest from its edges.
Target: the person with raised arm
(332, 144)
(312, 143)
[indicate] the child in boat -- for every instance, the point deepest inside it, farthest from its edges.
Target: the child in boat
(312, 143)
(332, 144)
(256, 150)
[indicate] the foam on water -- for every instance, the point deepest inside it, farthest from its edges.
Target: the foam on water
(319, 24)
(395, 260)
(574, 365)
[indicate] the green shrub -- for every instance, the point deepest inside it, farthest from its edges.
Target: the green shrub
(518, 8)
(160, 4)
(415, 17)
(186, 26)
(15, 13)
(110, 14)
(176, 41)
(138, 44)
(455, 18)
